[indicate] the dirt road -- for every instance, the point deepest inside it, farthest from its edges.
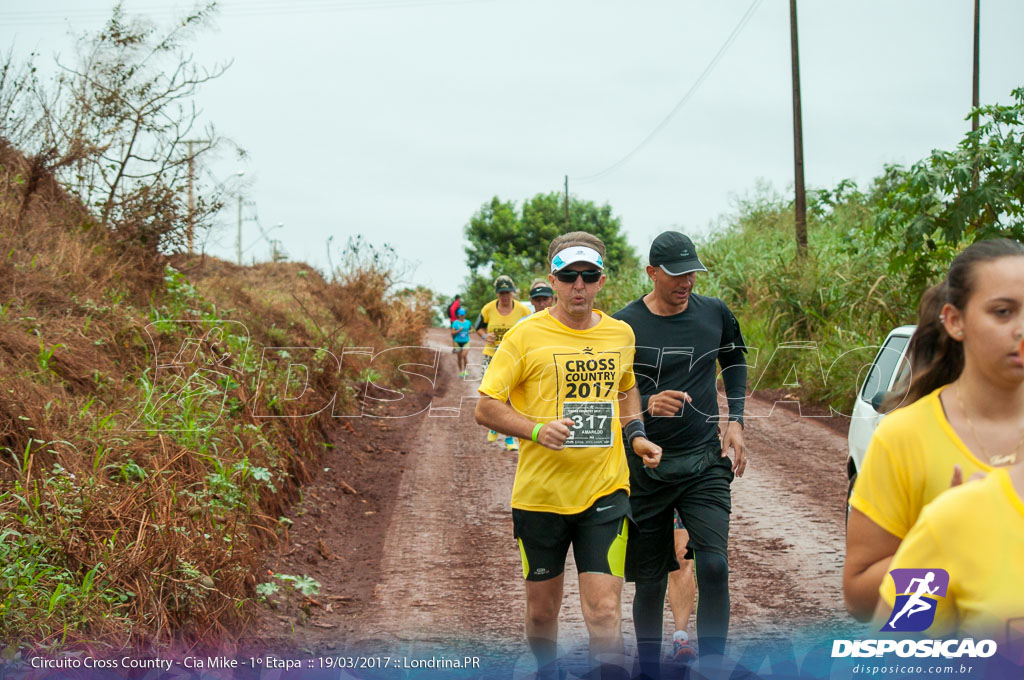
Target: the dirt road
(422, 551)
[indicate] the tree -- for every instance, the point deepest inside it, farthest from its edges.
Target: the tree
(942, 203)
(502, 241)
(118, 128)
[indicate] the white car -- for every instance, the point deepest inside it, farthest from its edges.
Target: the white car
(887, 369)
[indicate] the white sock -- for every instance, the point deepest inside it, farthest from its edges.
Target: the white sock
(680, 636)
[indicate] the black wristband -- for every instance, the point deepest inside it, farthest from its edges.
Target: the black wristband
(634, 429)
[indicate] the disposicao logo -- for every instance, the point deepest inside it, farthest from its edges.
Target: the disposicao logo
(917, 596)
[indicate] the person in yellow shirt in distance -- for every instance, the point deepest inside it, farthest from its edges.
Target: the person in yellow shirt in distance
(494, 320)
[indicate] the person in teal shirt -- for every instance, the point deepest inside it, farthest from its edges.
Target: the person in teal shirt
(460, 336)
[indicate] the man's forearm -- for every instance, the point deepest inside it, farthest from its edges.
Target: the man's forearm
(630, 409)
(501, 417)
(734, 376)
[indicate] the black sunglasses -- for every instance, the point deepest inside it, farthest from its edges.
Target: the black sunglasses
(569, 275)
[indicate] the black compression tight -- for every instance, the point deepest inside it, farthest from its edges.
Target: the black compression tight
(712, 572)
(648, 607)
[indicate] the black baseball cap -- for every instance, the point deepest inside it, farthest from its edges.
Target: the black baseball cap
(675, 254)
(541, 291)
(503, 284)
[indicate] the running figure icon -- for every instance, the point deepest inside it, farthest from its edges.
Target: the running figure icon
(916, 603)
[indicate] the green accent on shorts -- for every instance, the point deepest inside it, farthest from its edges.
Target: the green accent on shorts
(617, 551)
(597, 536)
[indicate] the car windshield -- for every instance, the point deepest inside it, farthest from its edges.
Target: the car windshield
(880, 377)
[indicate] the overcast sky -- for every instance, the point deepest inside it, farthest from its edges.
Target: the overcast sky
(397, 119)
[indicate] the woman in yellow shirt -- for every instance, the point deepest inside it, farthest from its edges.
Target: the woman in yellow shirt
(961, 413)
(976, 534)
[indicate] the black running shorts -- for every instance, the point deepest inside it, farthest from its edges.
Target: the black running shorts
(697, 486)
(597, 535)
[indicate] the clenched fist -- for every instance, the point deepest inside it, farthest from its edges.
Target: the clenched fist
(553, 435)
(648, 450)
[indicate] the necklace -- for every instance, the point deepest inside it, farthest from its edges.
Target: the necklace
(994, 461)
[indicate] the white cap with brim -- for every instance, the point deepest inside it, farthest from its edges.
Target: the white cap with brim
(572, 254)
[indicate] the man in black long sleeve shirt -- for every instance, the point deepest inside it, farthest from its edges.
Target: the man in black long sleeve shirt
(679, 338)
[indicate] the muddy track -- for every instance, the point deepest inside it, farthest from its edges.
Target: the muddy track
(423, 554)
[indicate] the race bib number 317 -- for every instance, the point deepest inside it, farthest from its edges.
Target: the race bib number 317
(592, 423)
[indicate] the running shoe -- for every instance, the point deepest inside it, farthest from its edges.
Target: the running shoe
(682, 652)
(511, 444)
(492, 436)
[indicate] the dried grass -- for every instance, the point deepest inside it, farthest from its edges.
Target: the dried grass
(143, 528)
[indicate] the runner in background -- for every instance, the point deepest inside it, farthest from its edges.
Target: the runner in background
(460, 336)
(562, 381)
(680, 337)
(961, 413)
(681, 591)
(541, 295)
(496, 317)
(453, 309)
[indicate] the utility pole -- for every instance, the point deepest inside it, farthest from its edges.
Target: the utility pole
(191, 195)
(191, 190)
(567, 203)
(977, 42)
(238, 241)
(330, 263)
(798, 141)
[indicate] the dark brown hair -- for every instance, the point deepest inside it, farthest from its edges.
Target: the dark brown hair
(935, 358)
(575, 238)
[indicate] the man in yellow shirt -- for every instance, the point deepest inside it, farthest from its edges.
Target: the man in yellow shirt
(562, 381)
(494, 320)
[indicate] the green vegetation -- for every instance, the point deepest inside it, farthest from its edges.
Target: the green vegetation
(953, 198)
(841, 298)
(872, 254)
(146, 444)
(504, 241)
(816, 322)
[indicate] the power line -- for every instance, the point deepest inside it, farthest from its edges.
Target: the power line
(682, 102)
(251, 9)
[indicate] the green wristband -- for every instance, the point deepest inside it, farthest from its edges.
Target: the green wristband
(536, 431)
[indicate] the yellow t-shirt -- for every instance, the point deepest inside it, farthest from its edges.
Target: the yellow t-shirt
(549, 371)
(976, 533)
(498, 324)
(908, 463)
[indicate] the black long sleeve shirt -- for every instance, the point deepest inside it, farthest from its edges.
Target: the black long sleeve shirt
(679, 352)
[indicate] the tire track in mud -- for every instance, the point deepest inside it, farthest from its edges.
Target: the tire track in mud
(787, 538)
